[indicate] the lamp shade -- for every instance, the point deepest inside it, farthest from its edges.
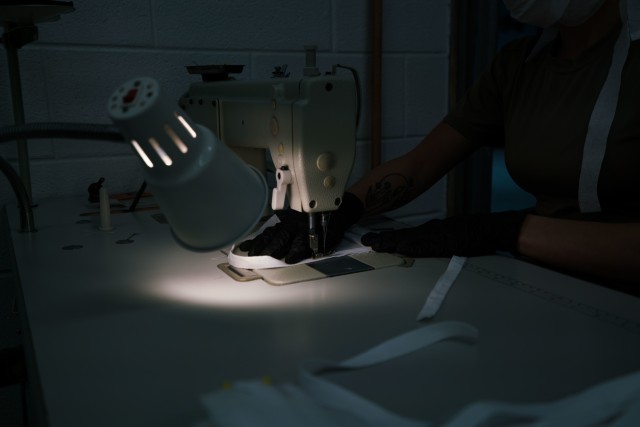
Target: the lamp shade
(210, 197)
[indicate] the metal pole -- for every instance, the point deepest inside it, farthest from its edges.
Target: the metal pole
(18, 112)
(376, 88)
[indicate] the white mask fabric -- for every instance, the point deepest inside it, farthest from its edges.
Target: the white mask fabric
(547, 13)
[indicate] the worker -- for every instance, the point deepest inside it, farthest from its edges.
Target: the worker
(565, 105)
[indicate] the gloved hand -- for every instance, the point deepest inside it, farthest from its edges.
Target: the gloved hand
(467, 235)
(289, 239)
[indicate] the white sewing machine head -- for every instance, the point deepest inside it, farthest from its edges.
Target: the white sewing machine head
(307, 124)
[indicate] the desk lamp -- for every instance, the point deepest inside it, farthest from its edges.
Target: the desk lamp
(210, 197)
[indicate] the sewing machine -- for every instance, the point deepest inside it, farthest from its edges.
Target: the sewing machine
(307, 124)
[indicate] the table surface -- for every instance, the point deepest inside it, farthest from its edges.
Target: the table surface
(128, 328)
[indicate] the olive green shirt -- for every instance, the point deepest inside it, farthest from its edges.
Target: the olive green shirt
(539, 111)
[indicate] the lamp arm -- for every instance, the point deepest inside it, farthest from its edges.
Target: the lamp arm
(61, 130)
(47, 130)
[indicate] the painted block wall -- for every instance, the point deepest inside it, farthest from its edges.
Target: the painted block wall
(69, 73)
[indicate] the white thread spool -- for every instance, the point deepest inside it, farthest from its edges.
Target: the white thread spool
(105, 211)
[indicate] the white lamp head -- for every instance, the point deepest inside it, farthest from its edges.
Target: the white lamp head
(210, 197)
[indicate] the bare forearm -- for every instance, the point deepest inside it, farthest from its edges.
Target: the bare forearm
(385, 188)
(602, 250)
(397, 182)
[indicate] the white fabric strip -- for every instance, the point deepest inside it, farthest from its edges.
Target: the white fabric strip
(336, 397)
(409, 342)
(327, 404)
(262, 262)
(441, 288)
(316, 402)
(614, 403)
(599, 126)
(348, 246)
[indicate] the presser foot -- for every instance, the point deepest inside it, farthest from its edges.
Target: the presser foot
(317, 255)
(314, 239)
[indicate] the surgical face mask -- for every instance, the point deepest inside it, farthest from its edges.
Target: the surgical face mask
(546, 13)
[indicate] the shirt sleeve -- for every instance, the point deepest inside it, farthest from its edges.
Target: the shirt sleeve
(479, 115)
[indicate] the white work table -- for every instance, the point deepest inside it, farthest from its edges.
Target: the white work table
(131, 331)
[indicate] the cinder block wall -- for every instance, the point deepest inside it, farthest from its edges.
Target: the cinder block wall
(69, 73)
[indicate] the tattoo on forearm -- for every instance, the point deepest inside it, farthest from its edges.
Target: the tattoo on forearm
(391, 192)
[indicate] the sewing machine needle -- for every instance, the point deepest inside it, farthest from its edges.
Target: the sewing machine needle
(313, 236)
(324, 222)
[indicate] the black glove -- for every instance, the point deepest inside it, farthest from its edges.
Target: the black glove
(468, 235)
(289, 239)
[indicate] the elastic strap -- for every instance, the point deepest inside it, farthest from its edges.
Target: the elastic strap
(599, 126)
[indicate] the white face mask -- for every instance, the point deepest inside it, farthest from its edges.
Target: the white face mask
(546, 13)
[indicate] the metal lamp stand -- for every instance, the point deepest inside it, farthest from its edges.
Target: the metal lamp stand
(19, 19)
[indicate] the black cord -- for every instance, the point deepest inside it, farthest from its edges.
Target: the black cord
(354, 72)
(26, 213)
(136, 199)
